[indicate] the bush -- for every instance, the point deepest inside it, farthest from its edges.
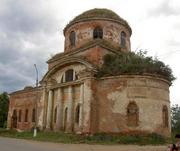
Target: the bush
(134, 63)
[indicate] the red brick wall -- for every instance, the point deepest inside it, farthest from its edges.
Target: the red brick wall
(23, 100)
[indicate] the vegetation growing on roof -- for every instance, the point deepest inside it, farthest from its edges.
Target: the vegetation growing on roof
(134, 63)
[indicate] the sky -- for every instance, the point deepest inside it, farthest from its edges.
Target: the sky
(31, 32)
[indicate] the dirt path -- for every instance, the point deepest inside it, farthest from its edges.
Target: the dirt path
(9, 144)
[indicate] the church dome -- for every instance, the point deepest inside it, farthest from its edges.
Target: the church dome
(99, 14)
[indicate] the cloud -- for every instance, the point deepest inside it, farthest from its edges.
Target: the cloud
(28, 34)
(165, 8)
(31, 31)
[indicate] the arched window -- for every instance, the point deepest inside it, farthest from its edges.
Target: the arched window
(19, 118)
(69, 75)
(72, 38)
(33, 115)
(26, 116)
(165, 116)
(123, 39)
(132, 114)
(98, 33)
(77, 115)
(55, 114)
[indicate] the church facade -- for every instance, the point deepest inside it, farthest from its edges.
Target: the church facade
(72, 99)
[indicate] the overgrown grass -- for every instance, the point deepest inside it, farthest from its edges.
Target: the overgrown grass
(59, 137)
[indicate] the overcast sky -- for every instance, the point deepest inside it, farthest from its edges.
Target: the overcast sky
(31, 31)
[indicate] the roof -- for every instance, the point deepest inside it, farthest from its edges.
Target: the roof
(101, 42)
(98, 13)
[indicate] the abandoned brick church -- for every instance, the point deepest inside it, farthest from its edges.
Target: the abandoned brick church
(71, 98)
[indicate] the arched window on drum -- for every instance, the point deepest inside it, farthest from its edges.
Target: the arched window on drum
(123, 39)
(72, 38)
(98, 33)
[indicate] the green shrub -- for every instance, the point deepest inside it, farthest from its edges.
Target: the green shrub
(156, 139)
(100, 138)
(130, 140)
(134, 63)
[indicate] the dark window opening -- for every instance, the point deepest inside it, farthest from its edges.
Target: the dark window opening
(19, 119)
(26, 116)
(98, 33)
(77, 115)
(123, 39)
(69, 75)
(72, 38)
(165, 116)
(132, 114)
(33, 115)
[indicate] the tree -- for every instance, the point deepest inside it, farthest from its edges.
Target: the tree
(4, 104)
(175, 113)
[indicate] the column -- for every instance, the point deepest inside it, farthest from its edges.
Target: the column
(59, 124)
(70, 110)
(44, 99)
(81, 106)
(49, 110)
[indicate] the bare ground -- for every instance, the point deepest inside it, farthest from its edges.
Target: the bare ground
(9, 144)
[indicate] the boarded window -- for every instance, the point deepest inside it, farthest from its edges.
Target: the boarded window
(33, 115)
(72, 38)
(98, 33)
(123, 39)
(69, 75)
(20, 112)
(132, 114)
(77, 115)
(55, 114)
(165, 116)
(26, 116)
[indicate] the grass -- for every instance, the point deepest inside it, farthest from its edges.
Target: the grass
(59, 137)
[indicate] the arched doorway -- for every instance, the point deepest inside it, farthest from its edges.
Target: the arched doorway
(14, 119)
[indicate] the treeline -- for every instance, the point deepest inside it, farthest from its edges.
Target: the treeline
(4, 104)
